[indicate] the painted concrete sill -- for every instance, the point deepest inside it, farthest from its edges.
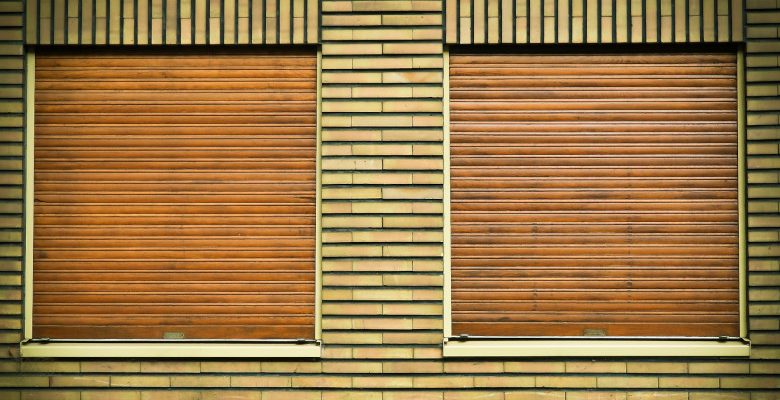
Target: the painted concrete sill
(171, 350)
(596, 348)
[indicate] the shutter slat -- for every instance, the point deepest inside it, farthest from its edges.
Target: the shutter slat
(594, 192)
(175, 194)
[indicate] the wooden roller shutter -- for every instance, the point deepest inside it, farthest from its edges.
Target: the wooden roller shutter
(594, 194)
(175, 194)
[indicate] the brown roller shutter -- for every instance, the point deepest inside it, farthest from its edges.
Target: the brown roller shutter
(175, 194)
(594, 194)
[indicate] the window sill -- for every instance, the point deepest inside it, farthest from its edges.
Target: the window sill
(596, 348)
(170, 350)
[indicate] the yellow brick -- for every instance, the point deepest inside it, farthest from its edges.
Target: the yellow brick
(416, 48)
(427, 236)
(411, 19)
(411, 338)
(321, 381)
(444, 382)
(657, 396)
(200, 381)
(412, 193)
(594, 367)
(336, 294)
(336, 93)
(336, 150)
(627, 382)
(390, 382)
(230, 366)
(383, 63)
(381, 92)
(352, 222)
(384, 34)
(472, 395)
(110, 395)
(351, 251)
(337, 34)
(411, 222)
(336, 208)
(395, 178)
(382, 265)
(411, 396)
(595, 396)
(50, 366)
(381, 323)
(412, 106)
(504, 381)
(292, 395)
(685, 382)
(351, 193)
(411, 309)
(427, 353)
(351, 77)
(352, 280)
(110, 366)
(352, 367)
(650, 367)
(336, 237)
(351, 48)
(718, 368)
(718, 396)
(361, 395)
(351, 135)
(351, 106)
(386, 207)
(412, 163)
(351, 20)
(412, 77)
(383, 352)
(382, 294)
(473, 366)
(351, 309)
(413, 280)
(382, 149)
(427, 134)
(291, 367)
(535, 395)
(170, 366)
(140, 381)
(44, 395)
(747, 382)
(417, 250)
(412, 367)
(427, 323)
(230, 395)
(352, 338)
(381, 120)
(565, 381)
(80, 381)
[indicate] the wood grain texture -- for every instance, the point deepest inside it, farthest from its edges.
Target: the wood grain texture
(185, 203)
(594, 191)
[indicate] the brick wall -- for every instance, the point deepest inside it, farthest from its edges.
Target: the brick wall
(382, 246)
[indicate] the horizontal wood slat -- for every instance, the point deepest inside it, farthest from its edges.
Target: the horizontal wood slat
(186, 205)
(584, 200)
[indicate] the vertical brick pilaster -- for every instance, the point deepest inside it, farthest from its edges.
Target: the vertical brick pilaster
(763, 174)
(12, 149)
(382, 178)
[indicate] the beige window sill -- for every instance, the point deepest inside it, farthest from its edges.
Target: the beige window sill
(596, 348)
(171, 350)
